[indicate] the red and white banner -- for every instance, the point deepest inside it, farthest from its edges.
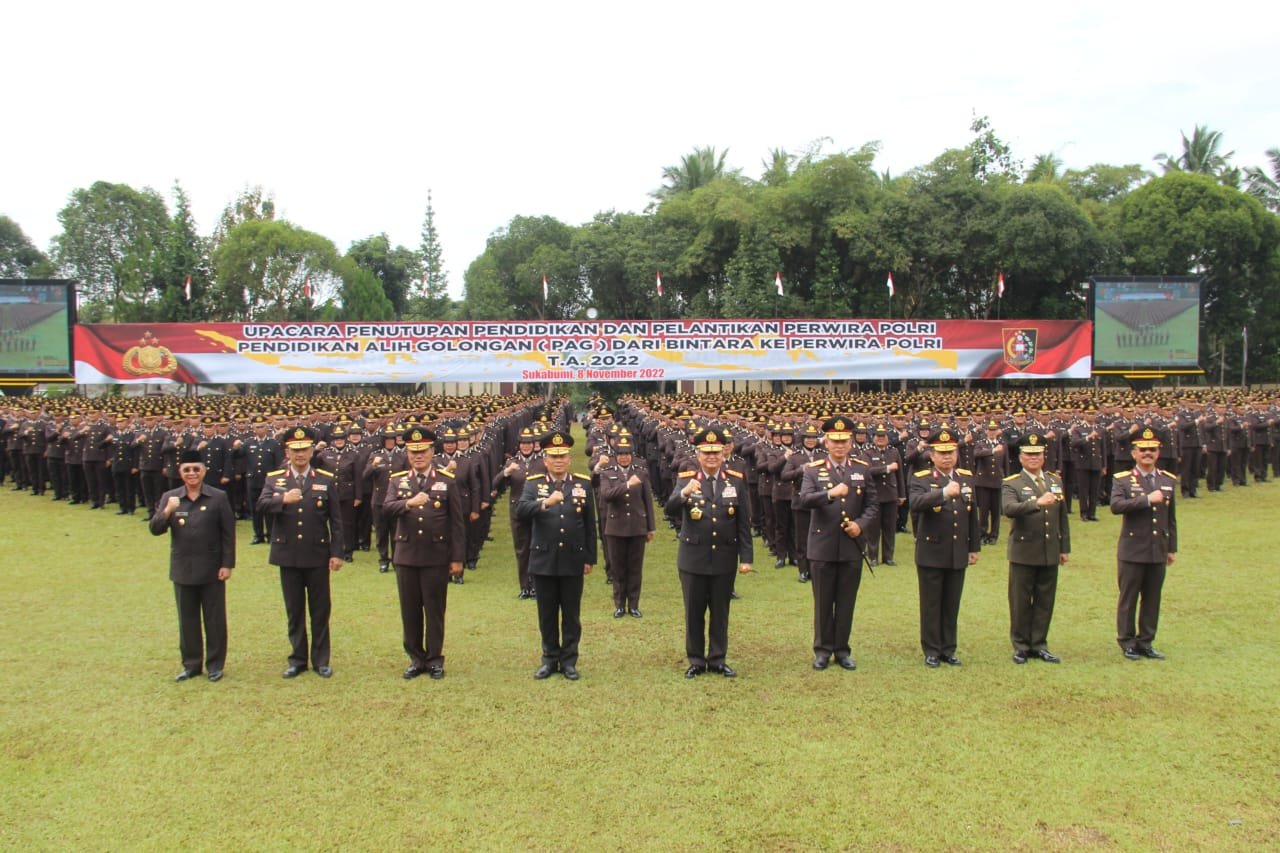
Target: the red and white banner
(581, 351)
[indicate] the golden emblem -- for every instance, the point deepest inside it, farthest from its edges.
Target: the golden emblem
(696, 513)
(557, 440)
(148, 358)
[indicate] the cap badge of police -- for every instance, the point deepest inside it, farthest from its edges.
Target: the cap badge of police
(416, 435)
(300, 434)
(840, 425)
(944, 436)
(1033, 439)
(712, 438)
(557, 440)
(1148, 435)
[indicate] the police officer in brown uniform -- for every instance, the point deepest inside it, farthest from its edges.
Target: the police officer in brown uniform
(885, 465)
(941, 500)
(306, 543)
(202, 553)
(526, 461)
(1039, 542)
(561, 508)
(715, 539)
(430, 546)
(627, 500)
(382, 463)
(840, 494)
(1148, 544)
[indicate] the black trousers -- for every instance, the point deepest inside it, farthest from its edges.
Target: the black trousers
(703, 593)
(153, 485)
(521, 539)
(196, 602)
(424, 592)
(626, 553)
(835, 592)
(940, 591)
(307, 588)
(800, 537)
(882, 533)
(382, 527)
(1140, 587)
(1032, 590)
(988, 501)
(1088, 483)
(559, 617)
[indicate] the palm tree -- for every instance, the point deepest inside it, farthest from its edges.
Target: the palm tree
(777, 166)
(1266, 188)
(1044, 169)
(1200, 155)
(698, 169)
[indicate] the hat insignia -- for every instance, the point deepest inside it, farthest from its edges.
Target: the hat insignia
(557, 440)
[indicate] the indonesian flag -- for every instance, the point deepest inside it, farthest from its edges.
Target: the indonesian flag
(778, 283)
(544, 288)
(659, 282)
(187, 288)
(1000, 285)
(889, 284)
(306, 288)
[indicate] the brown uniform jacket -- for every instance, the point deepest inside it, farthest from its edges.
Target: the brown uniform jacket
(307, 533)
(434, 534)
(1149, 532)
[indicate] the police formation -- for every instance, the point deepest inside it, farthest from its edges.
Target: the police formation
(827, 484)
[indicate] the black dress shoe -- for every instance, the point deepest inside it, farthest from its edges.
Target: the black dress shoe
(951, 660)
(324, 671)
(570, 672)
(215, 675)
(436, 672)
(1019, 657)
(544, 671)
(186, 675)
(694, 671)
(803, 578)
(1047, 656)
(821, 662)
(618, 613)
(779, 563)
(414, 671)
(890, 563)
(1150, 653)
(382, 567)
(293, 672)
(1131, 654)
(847, 662)
(457, 579)
(257, 540)
(635, 613)
(734, 595)
(724, 669)
(932, 661)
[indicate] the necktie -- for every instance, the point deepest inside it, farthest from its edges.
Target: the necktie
(1040, 484)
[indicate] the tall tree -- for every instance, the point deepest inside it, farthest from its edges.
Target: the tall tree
(395, 268)
(264, 268)
(697, 169)
(990, 157)
(1264, 186)
(111, 239)
(1045, 168)
(363, 296)
(432, 301)
(184, 255)
(1202, 155)
(505, 282)
(19, 258)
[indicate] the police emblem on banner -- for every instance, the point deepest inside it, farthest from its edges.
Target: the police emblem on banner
(1019, 348)
(148, 358)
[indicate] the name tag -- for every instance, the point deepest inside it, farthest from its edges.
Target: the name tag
(579, 492)
(857, 477)
(729, 492)
(319, 487)
(439, 487)
(1055, 489)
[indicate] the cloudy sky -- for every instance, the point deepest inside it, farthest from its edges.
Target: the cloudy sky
(349, 113)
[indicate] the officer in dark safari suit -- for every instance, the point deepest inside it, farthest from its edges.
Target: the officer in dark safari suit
(561, 509)
(941, 500)
(1148, 544)
(626, 505)
(840, 494)
(1039, 541)
(526, 462)
(715, 540)
(430, 546)
(306, 543)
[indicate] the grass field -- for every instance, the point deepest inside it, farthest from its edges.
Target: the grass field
(99, 749)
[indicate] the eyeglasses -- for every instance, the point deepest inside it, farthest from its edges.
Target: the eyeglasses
(191, 469)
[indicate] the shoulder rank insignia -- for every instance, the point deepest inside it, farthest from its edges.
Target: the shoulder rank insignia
(400, 474)
(684, 475)
(533, 477)
(817, 463)
(1012, 477)
(324, 471)
(275, 473)
(733, 473)
(964, 472)
(925, 473)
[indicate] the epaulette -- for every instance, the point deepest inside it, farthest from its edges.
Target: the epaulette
(733, 473)
(815, 463)
(1012, 477)
(925, 473)
(1168, 473)
(324, 471)
(964, 472)
(586, 477)
(860, 461)
(532, 477)
(275, 473)
(445, 472)
(400, 474)
(684, 475)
